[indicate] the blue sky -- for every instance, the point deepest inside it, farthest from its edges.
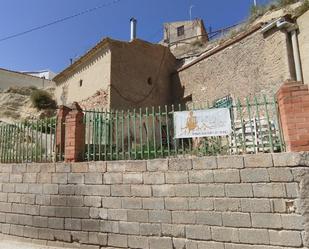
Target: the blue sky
(54, 46)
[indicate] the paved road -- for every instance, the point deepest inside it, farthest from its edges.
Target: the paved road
(6, 244)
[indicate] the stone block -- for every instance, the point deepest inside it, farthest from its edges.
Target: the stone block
(112, 178)
(9, 188)
(187, 190)
(93, 178)
(27, 198)
(129, 228)
(292, 190)
(212, 190)
(80, 237)
(109, 226)
(90, 225)
(47, 168)
(58, 200)
(47, 211)
(43, 200)
(138, 215)
(20, 188)
(11, 219)
(116, 166)
(227, 176)
(166, 190)
(73, 224)
(198, 232)
(60, 178)
(154, 178)
(227, 204)
(17, 230)
(75, 201)
(63, 167)
(140, 190)
(131, 203)
(176, 164)
(225, 234)
(238, 190)
(160, 243)
(209, 244)
(80, 167)
(176, 177)
(120, 190)
(292, 222)
(76, 178)
(32, 209)
(264, 220)
(65, 212)
(171, 230)
(254, 175)
(209, 218)
(230, 162)
(183, 217)
(176, 204)
(150, 229)
(153, 203)
(25, 220)
(40, 221)
(204, 163)
(97, 190)
(19, 168)
(135, 166)
(157, 165)
(80, 212)
(5, 207)
(33, 168)
(98, 238)
(95, 167)
(256, 205)
(254, 236)
(201, 176)
(92, 201)
(270, 190)
(160, 216)
(287, 159)
(232, 219)
(31, 232)
(133, 178)
(56, 223)
(117, 214)
(18, 208)
(280, 175)
(258, 161)
(138, 242)
(14, 178)
(13, 197)
(111, 202)
(201, 203)
(117, 240)
(285, 238)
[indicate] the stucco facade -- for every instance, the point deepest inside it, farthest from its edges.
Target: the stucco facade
(131, 74)
(254, 63)
(303, 40)
(16, 79)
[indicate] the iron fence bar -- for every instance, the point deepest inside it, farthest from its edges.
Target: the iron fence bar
(259, 120)
(154, 132)
(141, 133)
(250, 121)
(269, 126)
(278, 124)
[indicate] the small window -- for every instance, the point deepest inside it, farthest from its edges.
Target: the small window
(181, 30)
(81, 83)
(149, 81)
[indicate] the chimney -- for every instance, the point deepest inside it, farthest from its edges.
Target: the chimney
(133, 22)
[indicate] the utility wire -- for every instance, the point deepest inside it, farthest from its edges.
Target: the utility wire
(59, 20)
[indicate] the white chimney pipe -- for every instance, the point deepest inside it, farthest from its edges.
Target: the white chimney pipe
(133, 22)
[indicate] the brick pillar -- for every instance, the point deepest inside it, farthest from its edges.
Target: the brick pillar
(74, 135)
(60, 130)
(293, 100)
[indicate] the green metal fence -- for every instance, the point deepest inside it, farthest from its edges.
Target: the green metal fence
(30, 141)
(148, 133)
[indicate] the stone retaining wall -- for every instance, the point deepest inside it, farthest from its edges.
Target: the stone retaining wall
(232, 202)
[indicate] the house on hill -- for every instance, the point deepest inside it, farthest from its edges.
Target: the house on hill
(118, 75)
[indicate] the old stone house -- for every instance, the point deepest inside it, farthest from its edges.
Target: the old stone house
(254, 62)
(118, 75)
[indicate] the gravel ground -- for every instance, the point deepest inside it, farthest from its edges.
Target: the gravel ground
(6, 244)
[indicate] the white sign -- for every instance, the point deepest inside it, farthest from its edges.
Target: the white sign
(202, 123)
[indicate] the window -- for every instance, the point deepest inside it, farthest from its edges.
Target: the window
(81, 83)
(181, 30)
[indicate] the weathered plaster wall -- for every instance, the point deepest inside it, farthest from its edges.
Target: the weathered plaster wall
(231, 202)
(15, 79)
(140, 75)
(303, 39)
(256, 64)
(95, 75)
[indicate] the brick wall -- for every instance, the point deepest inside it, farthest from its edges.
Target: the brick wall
(232, 202)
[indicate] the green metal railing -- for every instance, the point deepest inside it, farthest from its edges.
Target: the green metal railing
(30, 141)
(148, 133)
